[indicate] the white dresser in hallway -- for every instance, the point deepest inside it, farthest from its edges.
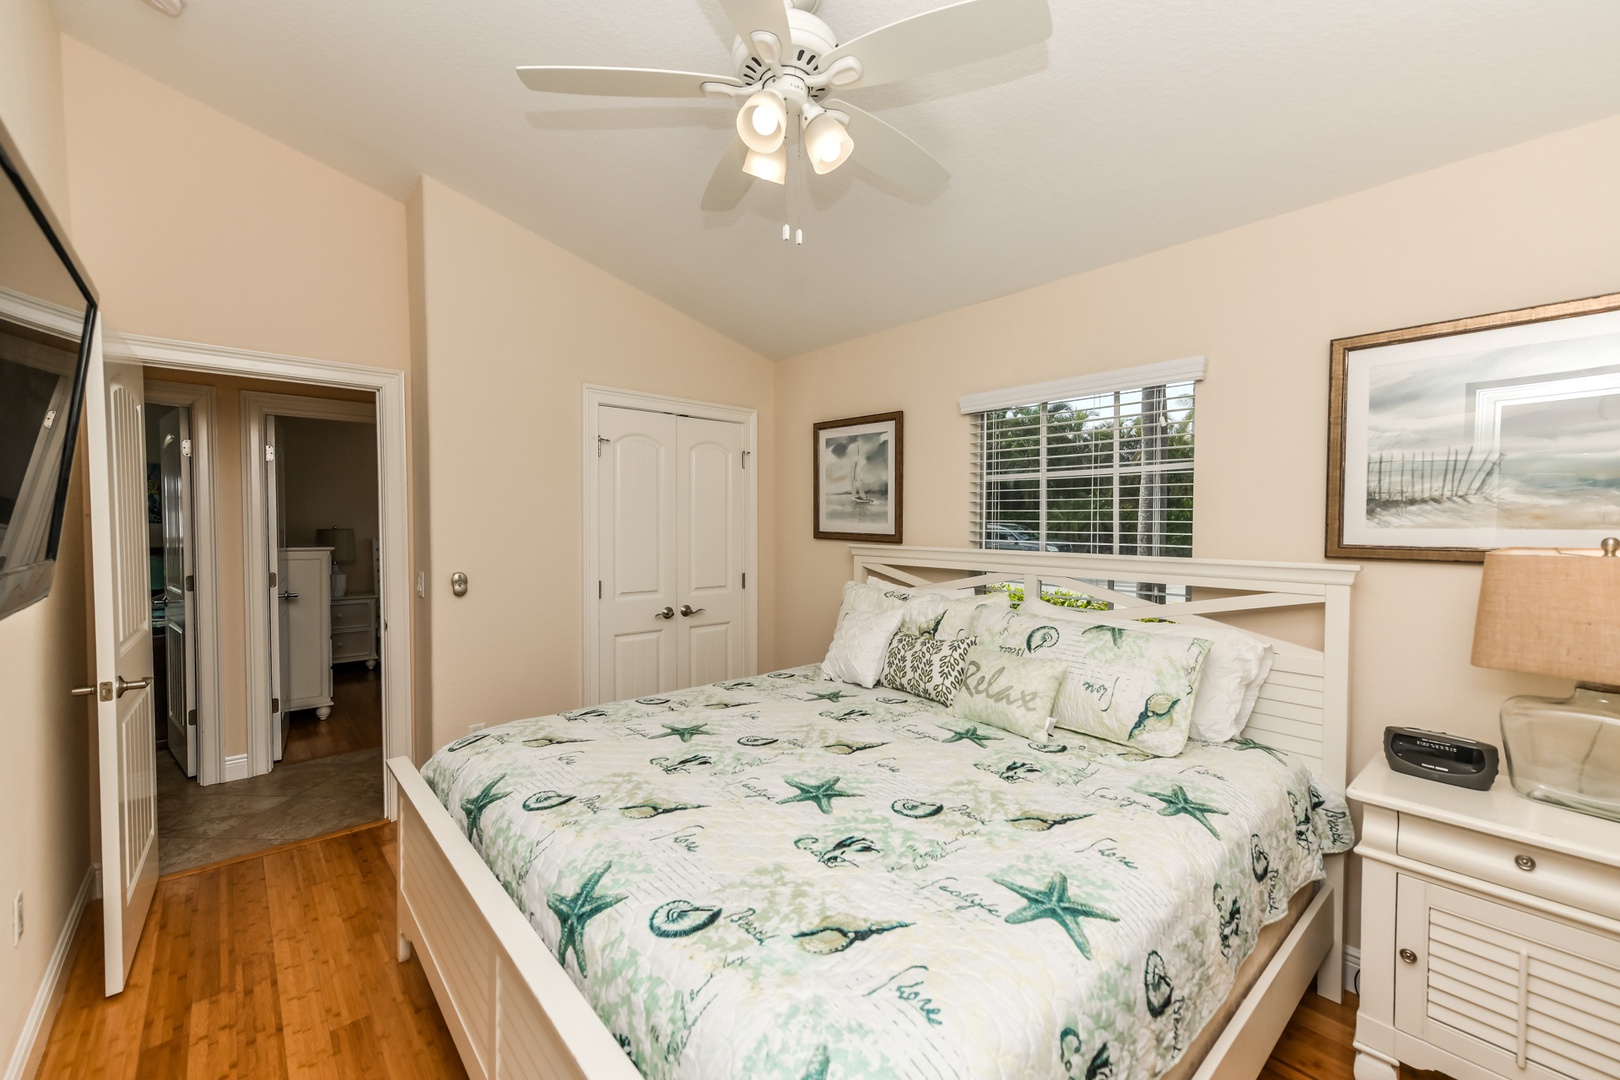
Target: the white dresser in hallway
(1490, 933)
(354, 629)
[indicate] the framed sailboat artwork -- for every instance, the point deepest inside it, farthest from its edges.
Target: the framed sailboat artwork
(859, 463)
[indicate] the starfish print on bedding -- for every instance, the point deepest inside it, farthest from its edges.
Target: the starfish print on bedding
(475, 805)
(683, 733)
(973, 735)
(1177, 801)
(822, 794)
(1250, 744)
(573, 912)
(831, 695)
(1052, 901)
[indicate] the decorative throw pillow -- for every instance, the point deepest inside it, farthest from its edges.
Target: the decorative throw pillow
(946, 615)
(1008, 691)
(925, 667)
(1237, 665)
(859, 646)
(870, 596)
(1123, 684)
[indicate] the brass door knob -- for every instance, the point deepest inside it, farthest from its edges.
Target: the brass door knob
(1408, 956)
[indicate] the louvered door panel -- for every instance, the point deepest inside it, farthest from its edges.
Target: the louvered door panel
(1517, 993)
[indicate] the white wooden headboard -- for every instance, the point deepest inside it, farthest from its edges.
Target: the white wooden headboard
(1304, 703)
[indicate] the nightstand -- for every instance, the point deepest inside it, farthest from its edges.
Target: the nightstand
(1490, 933)
(354, 629)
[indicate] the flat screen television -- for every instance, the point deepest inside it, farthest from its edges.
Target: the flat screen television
(47, 314)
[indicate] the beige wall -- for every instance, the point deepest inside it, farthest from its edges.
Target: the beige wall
(1534, 223)
(44, 787)
(229, 548)
(330, 468)
(514, 327)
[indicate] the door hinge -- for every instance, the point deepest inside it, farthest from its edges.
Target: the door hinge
(745, 579)
(601, 441)
(191, 717)
(275, 704)
(272, 579)
(599, 590)
(191, 583)
(185, 447)
(745, 457)
(269, 452)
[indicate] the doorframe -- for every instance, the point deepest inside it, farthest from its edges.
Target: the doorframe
(256, 407)
(202, 402)
(394, 591)
(596, 396)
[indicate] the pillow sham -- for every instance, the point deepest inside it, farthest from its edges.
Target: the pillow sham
(947, 615)
(1007, 691)
(859, 646)
(1122, 684)
(925, 667)
(867, 596)
(1237, 665)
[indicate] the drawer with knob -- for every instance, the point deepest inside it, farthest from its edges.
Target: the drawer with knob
(1550, 874)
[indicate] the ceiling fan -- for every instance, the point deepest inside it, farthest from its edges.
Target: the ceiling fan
(788, 62)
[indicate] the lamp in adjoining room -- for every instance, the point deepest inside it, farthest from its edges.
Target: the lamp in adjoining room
(341, 541)
(1551, 611)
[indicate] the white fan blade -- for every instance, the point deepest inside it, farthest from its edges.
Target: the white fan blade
(892, 155)
(619, 82)
(944, 38)
(751, 15)
(729, 183)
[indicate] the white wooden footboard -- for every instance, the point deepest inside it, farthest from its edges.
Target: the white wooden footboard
(511, 1008)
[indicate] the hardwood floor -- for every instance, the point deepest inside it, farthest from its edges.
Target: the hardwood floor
(274, 965)
(281, 964)
(355, 723)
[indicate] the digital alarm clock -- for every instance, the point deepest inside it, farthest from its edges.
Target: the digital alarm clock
(1435, 755)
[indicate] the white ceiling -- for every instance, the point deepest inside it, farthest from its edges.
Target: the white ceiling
(1138, 125)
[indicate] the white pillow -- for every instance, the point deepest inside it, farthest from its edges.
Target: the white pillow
(859, 646)
(867, 596)
(1237, 664)
(947, 615)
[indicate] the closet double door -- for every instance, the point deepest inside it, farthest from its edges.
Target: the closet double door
(672, 506)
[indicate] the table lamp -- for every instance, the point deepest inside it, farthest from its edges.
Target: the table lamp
(1551, 611)
(341, 541)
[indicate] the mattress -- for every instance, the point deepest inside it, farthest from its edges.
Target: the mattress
(785, 877)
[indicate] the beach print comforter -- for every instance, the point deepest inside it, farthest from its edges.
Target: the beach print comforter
(781, 877)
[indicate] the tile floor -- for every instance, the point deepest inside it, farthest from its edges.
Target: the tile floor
(200, 825)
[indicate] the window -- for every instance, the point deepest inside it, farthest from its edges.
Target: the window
(1100, 465)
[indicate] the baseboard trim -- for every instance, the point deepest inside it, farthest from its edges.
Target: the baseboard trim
(36, 1030)
(1352, 969)
(236, 767)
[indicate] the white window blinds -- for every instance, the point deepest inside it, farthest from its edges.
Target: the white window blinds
(1102, 464)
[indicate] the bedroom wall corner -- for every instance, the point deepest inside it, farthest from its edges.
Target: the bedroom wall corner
(514, 327)
(1529, 224)
(421, 495)
(44, 649)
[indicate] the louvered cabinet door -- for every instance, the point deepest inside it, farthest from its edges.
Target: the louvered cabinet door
(1519, 994)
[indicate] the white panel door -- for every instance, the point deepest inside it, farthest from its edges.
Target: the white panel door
(636, 531)
(273, 574)
(125, 713)
(174, 467)
(710, 646)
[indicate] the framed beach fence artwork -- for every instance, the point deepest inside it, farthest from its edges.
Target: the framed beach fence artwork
(859, 465)
(1451, 439)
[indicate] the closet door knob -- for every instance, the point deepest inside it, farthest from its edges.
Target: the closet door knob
(688, 610)
(667, 613)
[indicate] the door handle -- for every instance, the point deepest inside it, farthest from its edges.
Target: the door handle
(688, 610)
(83, 691)
(121, 687)
(667, 613)
(289, 596)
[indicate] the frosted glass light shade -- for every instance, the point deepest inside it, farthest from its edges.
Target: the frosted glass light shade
(763, 110)
(827, 142)
(772, 167)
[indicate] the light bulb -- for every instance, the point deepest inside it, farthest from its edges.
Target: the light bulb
(828, 142)
(828, 150)
(764, 121)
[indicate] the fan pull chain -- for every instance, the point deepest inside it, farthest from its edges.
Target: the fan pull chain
(795, 180)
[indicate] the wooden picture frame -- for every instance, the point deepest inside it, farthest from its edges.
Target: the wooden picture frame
(859, 497)
(1453, 438)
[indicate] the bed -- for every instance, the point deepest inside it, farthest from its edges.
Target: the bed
(782, 876)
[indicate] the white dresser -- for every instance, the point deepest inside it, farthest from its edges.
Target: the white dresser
(354, 629)
(1490, 933)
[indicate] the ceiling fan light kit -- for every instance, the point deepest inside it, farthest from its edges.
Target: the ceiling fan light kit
(788, 60)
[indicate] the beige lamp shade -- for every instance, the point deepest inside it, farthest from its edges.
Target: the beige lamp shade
(1550, 611)
(341, 541)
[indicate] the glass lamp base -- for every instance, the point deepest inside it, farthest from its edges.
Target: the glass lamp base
(1566, 751)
